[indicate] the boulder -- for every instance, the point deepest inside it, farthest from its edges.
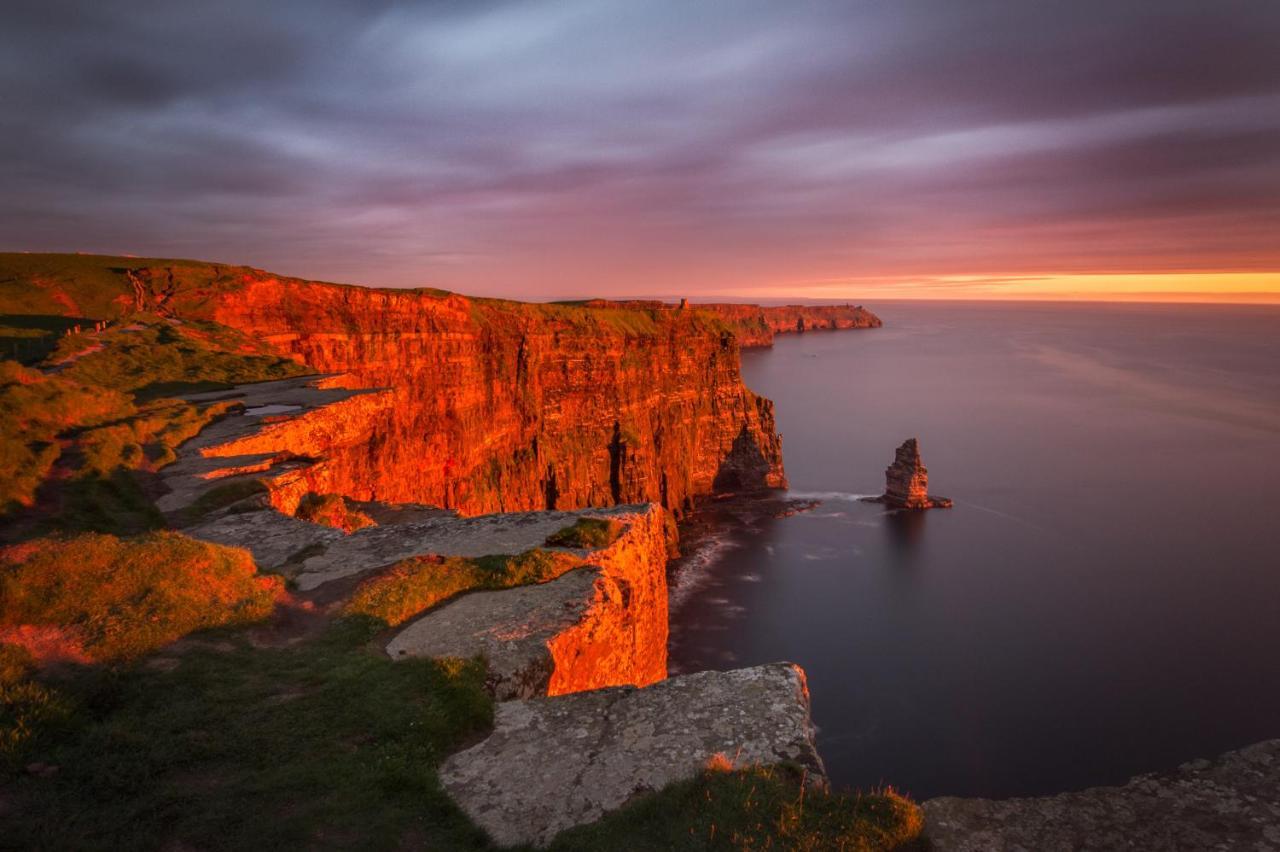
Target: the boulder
(553, 763)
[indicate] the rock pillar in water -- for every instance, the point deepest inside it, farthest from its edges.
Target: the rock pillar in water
(906, 481)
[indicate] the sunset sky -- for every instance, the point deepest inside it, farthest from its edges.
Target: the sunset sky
(763, 150)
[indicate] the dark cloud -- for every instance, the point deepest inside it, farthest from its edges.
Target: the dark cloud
(576, 145)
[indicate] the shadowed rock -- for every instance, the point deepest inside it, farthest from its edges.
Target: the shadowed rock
(1232, 802)
(553, 763)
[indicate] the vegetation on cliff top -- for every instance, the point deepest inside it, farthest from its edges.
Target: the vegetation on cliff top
(588, 533)
(327, 744)
(82, 425)
(415, 585)
(330, 744)
(754, 808)
(100, 598)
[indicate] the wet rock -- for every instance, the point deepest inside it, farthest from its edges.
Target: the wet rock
(1232, 802)
(906, 481)
(553, 763)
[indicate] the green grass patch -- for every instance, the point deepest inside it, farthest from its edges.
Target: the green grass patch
(153, 357)
(29, 710)
(111, 599)
(322, 745)
(759, 808)
(414, 585)
(587, 533)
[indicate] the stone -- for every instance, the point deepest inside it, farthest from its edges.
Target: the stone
(601, 625)
(906, 481)
(553, 763)
(514, 630)
(1232, 802)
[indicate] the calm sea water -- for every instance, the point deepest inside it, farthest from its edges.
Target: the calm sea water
(1103, 600)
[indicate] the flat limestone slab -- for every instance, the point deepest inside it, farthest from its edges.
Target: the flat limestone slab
(375, 547)
(1232, 802)
(511, 629)
(553, 763)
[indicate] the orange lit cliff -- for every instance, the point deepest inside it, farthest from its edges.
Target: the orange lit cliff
(490, 405)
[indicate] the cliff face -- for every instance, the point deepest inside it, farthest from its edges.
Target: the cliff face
(755, 325)
(502, 407)
(623, 637)
(489, 405)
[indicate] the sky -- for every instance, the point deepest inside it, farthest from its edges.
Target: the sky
(711, 149)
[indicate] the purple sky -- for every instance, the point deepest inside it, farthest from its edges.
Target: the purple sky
(572, 147)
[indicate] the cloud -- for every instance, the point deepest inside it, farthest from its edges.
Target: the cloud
(572, 146)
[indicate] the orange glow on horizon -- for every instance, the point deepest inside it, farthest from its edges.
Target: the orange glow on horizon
(1186, 287)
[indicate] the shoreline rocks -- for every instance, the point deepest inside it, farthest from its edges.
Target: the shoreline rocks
(1230, 802)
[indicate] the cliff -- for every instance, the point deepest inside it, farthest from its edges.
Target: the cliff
(489, 406)
(756, 325)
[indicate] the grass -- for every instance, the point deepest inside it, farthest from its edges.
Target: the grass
(332, 511)
(415, 585)
(324, 745)
(29, 710)
(587, 533)
(156, 357)
(111, 599)
(756, 808)
(75, 437)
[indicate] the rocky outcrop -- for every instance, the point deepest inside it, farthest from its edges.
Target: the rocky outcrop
(756, 325)
(601, 625)
(906, 481)
(491, 405)
(554, 763)
(502, 406)
(1232, 802)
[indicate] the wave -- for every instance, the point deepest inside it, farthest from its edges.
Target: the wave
(694, 570)
(829, 495)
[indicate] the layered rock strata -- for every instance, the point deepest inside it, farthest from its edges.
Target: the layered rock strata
(756, 325)
(490, 405)
(554, 763)
(1232, 802)
(601, 625)
(906, 481)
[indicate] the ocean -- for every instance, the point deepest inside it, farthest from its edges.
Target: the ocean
(1104, 598)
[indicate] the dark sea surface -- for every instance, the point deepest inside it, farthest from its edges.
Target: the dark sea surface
(1103, 600)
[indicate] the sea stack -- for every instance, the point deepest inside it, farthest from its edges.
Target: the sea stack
(906, 481)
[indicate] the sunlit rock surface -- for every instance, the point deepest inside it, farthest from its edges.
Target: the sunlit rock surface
(602, 625)
(501, 406)
(1232, 802)
(553, 763)
(906, 481)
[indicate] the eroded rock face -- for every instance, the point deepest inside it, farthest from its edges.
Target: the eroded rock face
(553, 763)
(906, 481)
(501, 406)
(1232, 802)
(603, 625)
(514, 629)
